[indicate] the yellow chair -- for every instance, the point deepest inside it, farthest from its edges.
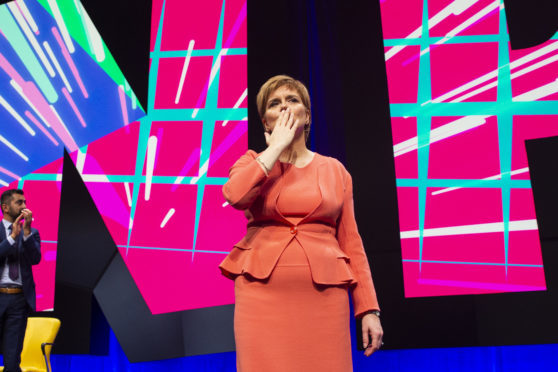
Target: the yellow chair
(39, 337)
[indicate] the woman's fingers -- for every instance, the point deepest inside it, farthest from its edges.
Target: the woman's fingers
(375, 341)
(284, 129)
(365, 338)
(373, 346)
(283, 117)
(288, 118)
(284, 114)
(369, 349)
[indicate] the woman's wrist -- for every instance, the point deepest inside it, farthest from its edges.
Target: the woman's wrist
(268, 157)
(263, 166)
(373, 312)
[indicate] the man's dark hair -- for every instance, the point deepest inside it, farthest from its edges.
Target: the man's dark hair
(7, 195)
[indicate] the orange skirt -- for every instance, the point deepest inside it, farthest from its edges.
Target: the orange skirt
(288, 323)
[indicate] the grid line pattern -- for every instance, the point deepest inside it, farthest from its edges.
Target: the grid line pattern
(157, 181)
(456, 90)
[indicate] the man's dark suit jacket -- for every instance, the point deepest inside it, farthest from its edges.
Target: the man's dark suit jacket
(29, 254)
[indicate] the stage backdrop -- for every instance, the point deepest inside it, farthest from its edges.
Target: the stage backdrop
(462, 104)
(157, 181)
(59, 88)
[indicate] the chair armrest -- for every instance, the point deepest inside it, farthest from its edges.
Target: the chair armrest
(43, 349)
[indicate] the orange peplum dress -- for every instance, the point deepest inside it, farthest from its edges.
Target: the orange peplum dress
(288, 321)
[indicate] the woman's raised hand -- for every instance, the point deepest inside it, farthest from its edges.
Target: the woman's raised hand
(284, 131)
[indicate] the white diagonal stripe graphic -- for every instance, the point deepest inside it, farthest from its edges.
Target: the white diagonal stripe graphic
(169, 214)
(495, 177)
(445, 131)
(27, 15)
(537, 93)
(494, 74)
(128, 193)
(31, 37)
(19, 90)
(184, 70)
(13, 148)
(93, 35)
(56, 64)
(150, 164)
(237, 104)
(456, 7)
(16, 116)
(61, 25)
(482, 228)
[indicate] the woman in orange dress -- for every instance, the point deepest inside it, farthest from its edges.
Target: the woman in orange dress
(302, 252)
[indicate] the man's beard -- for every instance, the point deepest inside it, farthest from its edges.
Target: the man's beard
(14, 213)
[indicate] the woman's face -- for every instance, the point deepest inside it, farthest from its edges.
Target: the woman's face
(280, 99)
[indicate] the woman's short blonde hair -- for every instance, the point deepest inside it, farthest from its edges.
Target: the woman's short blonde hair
(276, 82)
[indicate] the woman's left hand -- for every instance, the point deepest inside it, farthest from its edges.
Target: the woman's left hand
(371, 330)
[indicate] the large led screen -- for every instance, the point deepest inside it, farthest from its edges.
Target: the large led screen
(59, 88)
(462, 105)
(156, 179)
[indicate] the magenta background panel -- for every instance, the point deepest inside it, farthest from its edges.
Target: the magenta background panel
(168, 217)
(54, 167)
(122, 161)
(525, 128)
(113, 205)
(410, 249)
(219, 223)
(178, 148)
(400, 18)
(43, 198)
(230, 92)
(408, 208)
(229, 144)
(234, 28)
(485, 25)
(172, 280)
(465, 248)
(189, 20)
(517, 252)
(406, 163)
(402, 73)
(473, 154)
(530, 73)
(463, 104)
(464, 206)
(454, 65)
(170, 70)
(179, 230)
